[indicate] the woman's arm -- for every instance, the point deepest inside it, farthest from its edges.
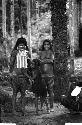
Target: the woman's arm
(49, 59)
(12, 60)
(46, 61)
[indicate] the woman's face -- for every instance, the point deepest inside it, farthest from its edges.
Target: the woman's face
(46, 46)
(21, 47)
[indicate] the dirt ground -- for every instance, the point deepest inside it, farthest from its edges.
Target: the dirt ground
(60, 116)
(31, 118)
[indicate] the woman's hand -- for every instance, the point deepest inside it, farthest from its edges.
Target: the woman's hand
(12, 73)
(22, 70)
(46, 61)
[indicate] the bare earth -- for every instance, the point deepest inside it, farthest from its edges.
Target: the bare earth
(43, 118)
(60, 116)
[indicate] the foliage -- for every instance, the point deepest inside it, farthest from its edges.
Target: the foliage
(59, 30)
(40, 27)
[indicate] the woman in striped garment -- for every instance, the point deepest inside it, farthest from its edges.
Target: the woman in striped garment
(20, 71)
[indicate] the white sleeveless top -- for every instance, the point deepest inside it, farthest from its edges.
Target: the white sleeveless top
(22, 59)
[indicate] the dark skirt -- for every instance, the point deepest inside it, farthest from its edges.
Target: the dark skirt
(0, 114)
(20, 84)
(39, 87)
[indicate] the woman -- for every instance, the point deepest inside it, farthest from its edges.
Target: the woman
(46, 57)
(19, 68)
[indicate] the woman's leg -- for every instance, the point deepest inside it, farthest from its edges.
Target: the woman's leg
(14, 86)
(23, 103)
(50, 91)
(36, 104)
(14, 101)
(0, 113)
(23, 87)
(42, 101)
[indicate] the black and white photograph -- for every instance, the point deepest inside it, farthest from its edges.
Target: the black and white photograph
(40, 62)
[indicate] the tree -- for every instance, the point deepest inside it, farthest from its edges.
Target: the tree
(60, 41)
(42, 26)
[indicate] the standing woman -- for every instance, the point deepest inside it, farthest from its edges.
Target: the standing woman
(0, 112)
(46, 57)
(19, 68)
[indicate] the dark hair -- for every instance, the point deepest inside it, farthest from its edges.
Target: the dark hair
(21, 41)
(36, 63)
(47, 40)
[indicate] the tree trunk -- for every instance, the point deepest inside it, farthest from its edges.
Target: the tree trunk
(37, 18)
(59, 32)
(29, 27)
(12, 22)
(4, 18)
